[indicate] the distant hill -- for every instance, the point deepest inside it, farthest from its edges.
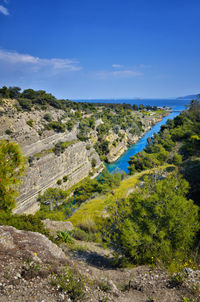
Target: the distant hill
(188, 97)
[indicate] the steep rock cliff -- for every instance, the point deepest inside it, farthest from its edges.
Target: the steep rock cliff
(44, 167)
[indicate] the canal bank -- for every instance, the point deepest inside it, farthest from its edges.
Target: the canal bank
(122, 162)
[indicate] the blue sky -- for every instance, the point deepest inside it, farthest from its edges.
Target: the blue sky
(81, 49)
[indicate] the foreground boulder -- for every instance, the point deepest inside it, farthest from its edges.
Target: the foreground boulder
(56, 226)
(25, 245)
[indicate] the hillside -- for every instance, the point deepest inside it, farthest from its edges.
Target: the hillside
(64, 141)
(188, 97)
(115, 237)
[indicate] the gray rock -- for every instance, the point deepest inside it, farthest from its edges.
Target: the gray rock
(29, 244)
(55, 226)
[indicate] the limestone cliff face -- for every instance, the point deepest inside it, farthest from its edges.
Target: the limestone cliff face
(76, 160)
(75, 163)
(44, 167)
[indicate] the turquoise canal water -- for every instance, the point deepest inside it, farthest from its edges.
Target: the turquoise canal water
(122, 163)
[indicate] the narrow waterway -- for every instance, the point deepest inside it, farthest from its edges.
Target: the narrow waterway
(122, 162)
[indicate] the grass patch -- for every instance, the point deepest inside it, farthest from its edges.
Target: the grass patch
(94, 212)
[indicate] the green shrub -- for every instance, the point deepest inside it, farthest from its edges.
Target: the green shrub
(56, 126)
(177, 159)
(156, 222)
(79, 234)
(8, 132)
(59, 182)
(47, 117)
(25, 104)
(30, 123)
(104, 286)
(65, 237)
(69, 125)
(94, 162)
(23, 222)
(65, 178)
(61, 146)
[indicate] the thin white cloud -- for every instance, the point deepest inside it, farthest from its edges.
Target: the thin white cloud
(15, 58)
(4, 10)
(145, 66)
(127, 73)
(117, 66)
(119, 74)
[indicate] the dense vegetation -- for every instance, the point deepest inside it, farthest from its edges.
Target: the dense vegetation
(179, 143)
(56, 204)
(93, 121)
(30, 98)
(156, 222)
(159, 221)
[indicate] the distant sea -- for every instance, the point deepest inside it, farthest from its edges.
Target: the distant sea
(175, 104)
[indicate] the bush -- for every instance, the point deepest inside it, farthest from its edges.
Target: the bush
(8, 132)
(94, 162)
(47, 117)
(156, 221)
(23, 222)
(61, 146)
(79, 234)
(70, 125)
(59, 182)
(30, 123)
(55, 195)
(65, 237)
(56, 126)
(25, 104)
(177, 159)
(65, 178)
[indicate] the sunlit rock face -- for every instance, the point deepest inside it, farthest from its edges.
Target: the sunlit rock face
(75, 163)
(44, 168)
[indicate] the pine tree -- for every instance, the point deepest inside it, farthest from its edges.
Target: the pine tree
(11, 169)
(156, 221)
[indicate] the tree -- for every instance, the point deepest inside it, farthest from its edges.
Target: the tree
(11, 169)
(156, 221)
(4, 92)
(135, 107)
(52, 197)
(14, 92)
(141, 107)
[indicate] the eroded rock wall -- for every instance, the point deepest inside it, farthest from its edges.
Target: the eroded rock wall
(75, 163)
(45, 168)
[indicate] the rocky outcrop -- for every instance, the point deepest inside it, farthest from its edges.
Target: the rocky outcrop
(45, 171)
(29, 263)
(57, 226)
(23, 244)
(44, 167)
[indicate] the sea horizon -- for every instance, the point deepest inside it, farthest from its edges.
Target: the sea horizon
(176, 104)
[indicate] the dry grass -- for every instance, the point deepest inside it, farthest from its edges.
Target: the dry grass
(94, 211)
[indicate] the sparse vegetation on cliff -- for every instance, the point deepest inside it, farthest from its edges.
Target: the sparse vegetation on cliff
(146, 218)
